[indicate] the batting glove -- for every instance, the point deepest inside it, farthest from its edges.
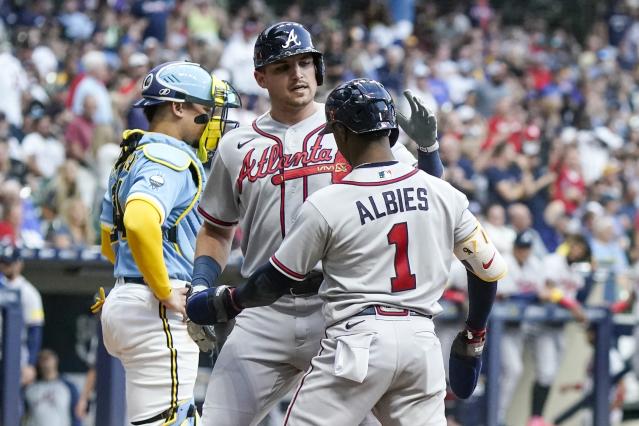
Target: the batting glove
(212, 306)
(204, 336)
(464, 364)
(422, 124)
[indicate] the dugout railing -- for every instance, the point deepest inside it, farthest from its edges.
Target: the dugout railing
(506, 312)
(10, 410)
(81, 265)
(110, 398)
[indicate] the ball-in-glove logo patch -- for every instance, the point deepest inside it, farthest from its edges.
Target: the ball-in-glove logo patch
(156, 181)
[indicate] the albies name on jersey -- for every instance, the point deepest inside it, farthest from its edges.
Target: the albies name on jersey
(399, 200)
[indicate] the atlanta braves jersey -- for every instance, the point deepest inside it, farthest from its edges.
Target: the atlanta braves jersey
(372, 232)
(261, 175)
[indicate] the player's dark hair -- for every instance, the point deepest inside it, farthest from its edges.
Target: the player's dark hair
(150, 111)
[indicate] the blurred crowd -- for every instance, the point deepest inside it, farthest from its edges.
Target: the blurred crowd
(535, 126)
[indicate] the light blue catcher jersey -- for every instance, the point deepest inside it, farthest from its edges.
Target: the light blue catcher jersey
(162, 170)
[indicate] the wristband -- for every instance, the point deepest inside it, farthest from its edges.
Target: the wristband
(430, 148)
(474, 335)
(206, 271)
(234, 304)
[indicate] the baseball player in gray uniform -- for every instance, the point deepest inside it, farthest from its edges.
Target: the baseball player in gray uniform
(563, 282)
(259, 178)
(385, 235)
(524, 282)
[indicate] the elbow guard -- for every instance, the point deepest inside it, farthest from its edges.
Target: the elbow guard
(480, 256)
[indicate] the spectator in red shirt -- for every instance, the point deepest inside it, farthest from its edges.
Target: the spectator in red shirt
(570, 187)
(506, 125)
(79, 132)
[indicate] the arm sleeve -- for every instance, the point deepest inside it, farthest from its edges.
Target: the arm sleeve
(304, 245)
(34, 343)
(430, 163)
(263, 287)
(219, 205)
(481, 296)
(142, 222)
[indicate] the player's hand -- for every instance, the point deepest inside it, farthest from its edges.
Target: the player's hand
(27, 375)
(213, 306)
(80, 408)
(464, 364)
(176, 301)
(422, 124)
(204, 336)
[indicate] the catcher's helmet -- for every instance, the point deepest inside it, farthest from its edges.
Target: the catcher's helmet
(286, 39)
(181, 81)
(177, 81)
(363, 106)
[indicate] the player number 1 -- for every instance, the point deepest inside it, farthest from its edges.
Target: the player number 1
(403, 280)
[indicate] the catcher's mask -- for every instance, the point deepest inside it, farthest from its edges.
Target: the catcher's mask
(225, 97)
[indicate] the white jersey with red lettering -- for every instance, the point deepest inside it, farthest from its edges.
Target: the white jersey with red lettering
(259, 178)
(262, 174)
(385, 235)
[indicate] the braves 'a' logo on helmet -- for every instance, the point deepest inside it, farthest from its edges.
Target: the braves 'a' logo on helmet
(292, 40)
(283, 40)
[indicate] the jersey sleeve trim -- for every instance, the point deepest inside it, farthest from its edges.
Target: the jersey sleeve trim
(285, 270)
(149, 199)
(214, 221)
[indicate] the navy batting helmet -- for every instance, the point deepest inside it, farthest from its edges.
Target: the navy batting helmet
(286, 39)
(363, 106)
